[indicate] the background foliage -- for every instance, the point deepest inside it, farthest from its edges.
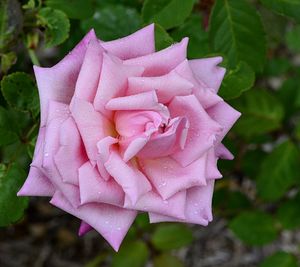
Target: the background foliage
(260, 41)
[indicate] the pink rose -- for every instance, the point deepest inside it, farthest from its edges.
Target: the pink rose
(125, 129)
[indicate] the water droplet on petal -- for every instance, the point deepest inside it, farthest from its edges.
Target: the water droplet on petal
(166, 202)
(119, 228)
(46, 154)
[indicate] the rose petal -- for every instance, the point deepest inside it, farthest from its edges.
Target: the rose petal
(89, 74)
(168, 177)
(95, 189)
(137, 44)
(92, 125)
(71, 154)
(208, 71)
(133, 182)
(212, 171)
(58, 83)
(152, 202)
(111, 222)
(225, 115)
(202, 131)
(36, 184)
(198, 207)
(113, 81)
(223, 153)
(161, 62)
(166, 86)
(164, 144)
(205, 95)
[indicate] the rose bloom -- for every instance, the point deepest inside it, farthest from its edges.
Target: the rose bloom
(125, 129)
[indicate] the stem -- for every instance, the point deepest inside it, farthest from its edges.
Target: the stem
(33, 57)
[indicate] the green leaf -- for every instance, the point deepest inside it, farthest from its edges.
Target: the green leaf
(162, 38)
(171, 236)
(75, 9)
(289, 8)
(131, 254)
(292, 38)
(288, 214)
(11, 206)
(11, 21)
(277, 66)
(113, 22)
(167, 260)
(254, 228)
(261, 113)
(236, 31)
(279, 171)
(167, 13)
(57, 25)
(20, 91)
(7, 135)
(198, 37)
(237, 81)
(289, 96)
(280, 259)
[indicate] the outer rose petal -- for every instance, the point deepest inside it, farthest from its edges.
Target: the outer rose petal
(36, 184)
(212, 171)
(168, 177)
(92, 125)
(57, 115)
(133, 182)
(130, 46)
(161, 62)
(223, 153)
(95, 189)
(202, 131)
(208, 71)
(152, 202)
(166, 86)
(225, 115)
(58, 83)
(205, 95)
(113, 81)
(198, 206)
(89, 74)
(111, 222)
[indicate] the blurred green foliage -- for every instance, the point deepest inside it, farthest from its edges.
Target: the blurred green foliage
(260, 44)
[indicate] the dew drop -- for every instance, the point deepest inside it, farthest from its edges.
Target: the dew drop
(46, 154)
(163, 183)
(196, 212)
(196, 204)
(166, 202)
(106, 222)
(119, 228)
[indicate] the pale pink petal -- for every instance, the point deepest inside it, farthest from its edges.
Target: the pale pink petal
(146, 100)
(58, 83)
(135, 123)
(111, 222)
(212, 171)
(208, 71)
(198, 206)
(168, 177)
(166, 143)
(161, 62)
(133, 182)
(71, 153)
(137, 44)
(113, 81)
(152, 202)
(166, 86)
(205, 95)
(223, 153)
(92, 125)
(202, 130)
(84, 228)
(225, 115)
(103, 147)
(58, 113)
(89, 74)
(36, 184)
(94, 188)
